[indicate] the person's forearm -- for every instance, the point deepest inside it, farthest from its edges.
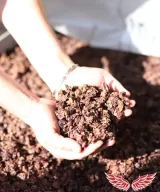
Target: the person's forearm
(26, 21)
(14, 98)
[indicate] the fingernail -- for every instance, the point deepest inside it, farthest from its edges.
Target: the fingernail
(110, 143)
(128, 112)
(128, 93)
(132, 103)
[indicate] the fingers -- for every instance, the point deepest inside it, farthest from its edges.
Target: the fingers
(70, 145)
(109, 143)
(117, 86)
(91, 148)
(128, 112)
(70, 155)
(59, 142)
(114, 84)
(47, 101)
(132, 103)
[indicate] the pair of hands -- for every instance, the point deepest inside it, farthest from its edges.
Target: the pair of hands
(45, 125)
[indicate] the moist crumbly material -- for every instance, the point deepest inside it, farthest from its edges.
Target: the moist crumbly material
(88, 113)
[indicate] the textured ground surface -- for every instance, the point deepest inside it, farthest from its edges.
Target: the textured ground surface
(26, 167)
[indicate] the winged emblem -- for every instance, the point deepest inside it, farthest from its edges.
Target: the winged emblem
(118, 182)
(138, 184)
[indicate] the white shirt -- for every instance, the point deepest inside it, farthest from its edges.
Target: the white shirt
(128, 25)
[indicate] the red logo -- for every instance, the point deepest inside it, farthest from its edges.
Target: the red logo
(138, 184)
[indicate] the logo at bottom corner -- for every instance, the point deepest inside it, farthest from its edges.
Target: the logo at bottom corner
(138, 184)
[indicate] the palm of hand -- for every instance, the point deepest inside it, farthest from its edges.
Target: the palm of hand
(44, 123)
(46, 126)
(97, 77)
(93, 76)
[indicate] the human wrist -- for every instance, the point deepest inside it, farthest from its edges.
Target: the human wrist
(15, 98)
(63, 78)
(55, 77)
(18, 102)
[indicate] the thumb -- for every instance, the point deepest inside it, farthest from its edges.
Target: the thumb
(45, 101)
(68, 144)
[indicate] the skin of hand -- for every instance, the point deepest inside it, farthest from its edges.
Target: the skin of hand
(44, 123)
(39, 114)
(98, 77)
(51, 62)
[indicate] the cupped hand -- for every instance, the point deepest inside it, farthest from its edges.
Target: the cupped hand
(44, 123)
(98, 77)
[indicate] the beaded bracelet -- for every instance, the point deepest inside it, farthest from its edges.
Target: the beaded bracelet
(64, 78)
